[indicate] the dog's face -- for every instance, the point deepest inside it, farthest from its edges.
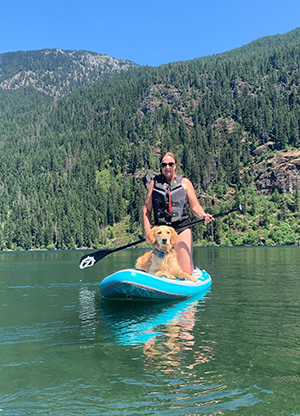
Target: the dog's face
(163, 237)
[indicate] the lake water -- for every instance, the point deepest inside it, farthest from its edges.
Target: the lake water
(66, 351)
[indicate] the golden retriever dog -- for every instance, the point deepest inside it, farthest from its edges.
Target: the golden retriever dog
(162, 260)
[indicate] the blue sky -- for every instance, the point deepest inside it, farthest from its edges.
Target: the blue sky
(148, 33)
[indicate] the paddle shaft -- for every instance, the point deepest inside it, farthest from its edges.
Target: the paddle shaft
(129, 245)
(220, 214)
(89, 260)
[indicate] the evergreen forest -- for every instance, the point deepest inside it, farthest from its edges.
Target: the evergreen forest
(75, 147)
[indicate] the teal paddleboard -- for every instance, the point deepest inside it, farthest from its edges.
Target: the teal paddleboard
(133, 284)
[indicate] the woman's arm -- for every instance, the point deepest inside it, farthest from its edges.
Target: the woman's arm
(147, 210)
(195, 207)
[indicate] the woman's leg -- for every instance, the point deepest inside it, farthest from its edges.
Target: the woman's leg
(184, 250)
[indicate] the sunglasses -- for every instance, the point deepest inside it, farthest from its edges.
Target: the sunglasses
(164, 165)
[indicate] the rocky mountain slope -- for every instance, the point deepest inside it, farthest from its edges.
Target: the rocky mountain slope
(56, 72)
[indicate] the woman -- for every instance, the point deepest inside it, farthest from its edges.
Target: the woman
(170, 195)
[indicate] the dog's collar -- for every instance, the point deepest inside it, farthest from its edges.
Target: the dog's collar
(158, 253)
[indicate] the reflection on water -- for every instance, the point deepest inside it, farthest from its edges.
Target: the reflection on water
(176, 338)
(87, 313)
(165, 332)
(145, 321)
(233, 351)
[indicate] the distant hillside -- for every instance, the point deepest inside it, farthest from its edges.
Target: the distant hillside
(72, 167)
(30, 81)
(56, 72)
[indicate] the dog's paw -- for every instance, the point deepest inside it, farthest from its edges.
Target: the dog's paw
(166, 274)
(188, 277)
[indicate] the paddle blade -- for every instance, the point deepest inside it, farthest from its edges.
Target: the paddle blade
(88, 260)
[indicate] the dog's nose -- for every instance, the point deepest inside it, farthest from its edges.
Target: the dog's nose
(164, 241)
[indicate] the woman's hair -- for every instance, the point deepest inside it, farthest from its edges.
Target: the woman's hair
(171, 154)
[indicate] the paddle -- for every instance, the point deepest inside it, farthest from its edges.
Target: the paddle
(88, 260)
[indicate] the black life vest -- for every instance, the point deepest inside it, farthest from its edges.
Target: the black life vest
(170, 201)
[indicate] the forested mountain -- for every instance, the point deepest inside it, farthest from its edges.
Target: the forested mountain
(71, 174)
(30, 81)
(56, 72)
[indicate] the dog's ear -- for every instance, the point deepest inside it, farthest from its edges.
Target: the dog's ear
(152, 235)
(173, 236)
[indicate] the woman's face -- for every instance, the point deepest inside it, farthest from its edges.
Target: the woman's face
(168, 167)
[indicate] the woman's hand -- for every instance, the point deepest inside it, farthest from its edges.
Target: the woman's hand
(208, 218)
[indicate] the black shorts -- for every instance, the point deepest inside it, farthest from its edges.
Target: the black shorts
(182, 226)
(179, 227)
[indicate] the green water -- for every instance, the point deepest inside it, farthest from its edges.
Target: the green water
(66, 351)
